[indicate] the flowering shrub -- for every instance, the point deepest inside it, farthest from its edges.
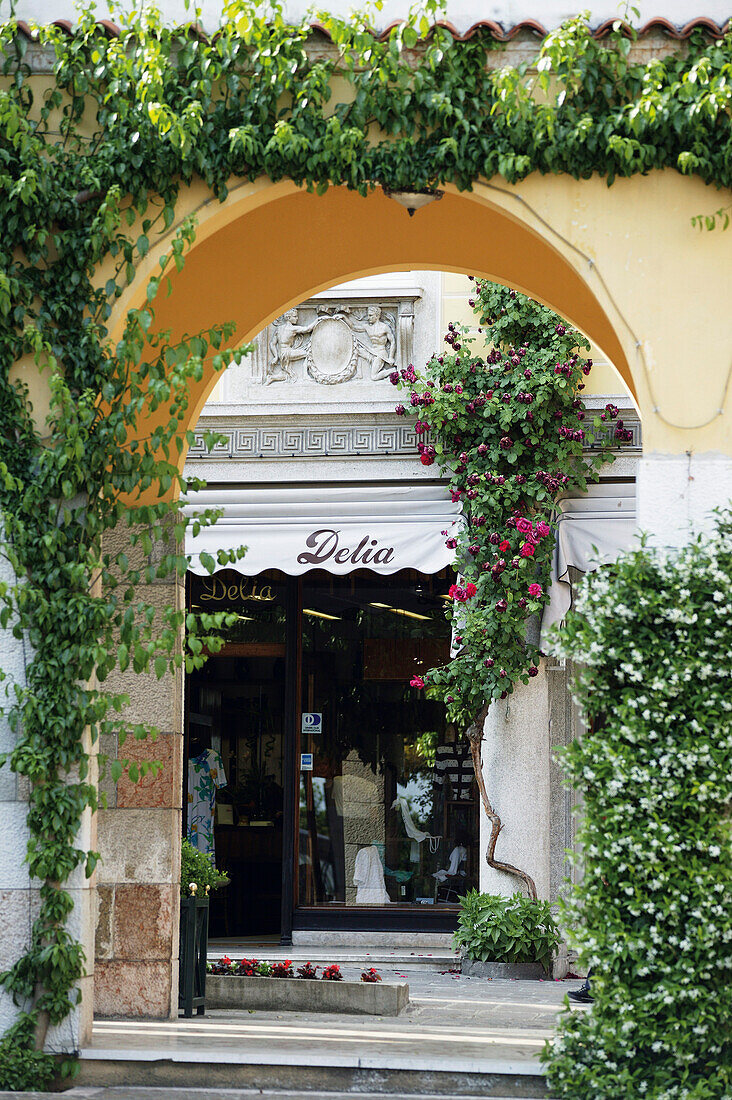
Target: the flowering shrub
(509, 429)
(653, 914)
(308, 971)
(332, 973)
(370, 975)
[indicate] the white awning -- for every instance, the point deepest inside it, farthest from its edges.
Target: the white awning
(592, 530)
(382, 528)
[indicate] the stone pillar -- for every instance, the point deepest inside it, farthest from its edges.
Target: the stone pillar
(139, 841)
(677, 492)
(516, 754)
(19, 895)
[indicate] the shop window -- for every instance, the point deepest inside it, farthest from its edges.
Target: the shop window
(388, 810)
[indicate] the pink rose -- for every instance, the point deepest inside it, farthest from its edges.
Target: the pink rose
(527, 550)
(524, 525)
(535, 590)
(416, 682)
(470, 589)
(543, 529)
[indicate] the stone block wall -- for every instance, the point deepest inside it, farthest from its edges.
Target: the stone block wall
(136, 970)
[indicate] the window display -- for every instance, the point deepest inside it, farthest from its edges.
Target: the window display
(388, 813)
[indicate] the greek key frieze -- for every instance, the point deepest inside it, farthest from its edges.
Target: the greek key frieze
(307, 442)
(272, 441)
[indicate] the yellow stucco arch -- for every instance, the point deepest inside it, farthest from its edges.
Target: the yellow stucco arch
(623, 264)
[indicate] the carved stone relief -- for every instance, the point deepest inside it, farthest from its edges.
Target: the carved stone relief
(331, 343)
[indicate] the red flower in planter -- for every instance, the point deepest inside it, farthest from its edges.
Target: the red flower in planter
(371, 975)
(307, 970)
(332, 973)
(283, 969)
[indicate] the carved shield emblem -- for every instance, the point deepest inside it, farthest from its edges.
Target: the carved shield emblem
(333, 352)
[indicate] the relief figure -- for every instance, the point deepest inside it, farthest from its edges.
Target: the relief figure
(378, 344)
(287, 347)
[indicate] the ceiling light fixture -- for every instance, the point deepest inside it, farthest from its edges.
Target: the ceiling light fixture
(385, 606)
(410, 614)
(414, 200)
(320, 614)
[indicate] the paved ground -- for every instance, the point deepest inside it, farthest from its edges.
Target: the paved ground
(451, 1021)
(457, 1033)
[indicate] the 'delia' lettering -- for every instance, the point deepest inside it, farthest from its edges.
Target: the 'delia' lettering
(325, 545)
(245, 590)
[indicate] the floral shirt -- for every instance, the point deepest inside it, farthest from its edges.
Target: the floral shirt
(205, 774)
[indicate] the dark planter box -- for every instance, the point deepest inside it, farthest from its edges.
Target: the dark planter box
(303, 995)
(473, 968)
(192, 957)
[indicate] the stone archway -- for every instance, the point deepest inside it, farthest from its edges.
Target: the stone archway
(622, 265)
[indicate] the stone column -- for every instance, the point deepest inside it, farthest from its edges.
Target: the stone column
(677, 492)
(19, 894)
(516, 755)
(139, 841)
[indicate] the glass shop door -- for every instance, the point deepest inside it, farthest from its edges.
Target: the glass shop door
(236, 709)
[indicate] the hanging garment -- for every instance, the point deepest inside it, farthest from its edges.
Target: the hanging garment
(455, 762)
(416, 835)
(205, 775)
(368, 878)
(458, 855)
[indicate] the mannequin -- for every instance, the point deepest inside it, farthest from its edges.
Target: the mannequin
(205, 775)
(368, 878)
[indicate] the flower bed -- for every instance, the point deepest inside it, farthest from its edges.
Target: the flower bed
(274, 987)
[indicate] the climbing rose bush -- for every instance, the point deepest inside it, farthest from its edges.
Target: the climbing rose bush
(653, 914)
(509, 429)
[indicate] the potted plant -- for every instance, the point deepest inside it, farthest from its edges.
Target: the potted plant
(502, 937)
(198, 876)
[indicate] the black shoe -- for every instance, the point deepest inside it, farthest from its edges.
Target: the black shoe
(581, 996)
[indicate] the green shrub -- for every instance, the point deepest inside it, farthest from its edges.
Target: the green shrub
(197, 867)
(23, 1070)
(512, 930)
(653, 913)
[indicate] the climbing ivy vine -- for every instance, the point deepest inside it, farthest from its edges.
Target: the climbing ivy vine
(92, 162)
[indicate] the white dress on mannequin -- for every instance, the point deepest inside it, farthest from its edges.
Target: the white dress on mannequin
(368, 878)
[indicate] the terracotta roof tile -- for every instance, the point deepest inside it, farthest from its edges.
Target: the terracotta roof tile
(497, 30)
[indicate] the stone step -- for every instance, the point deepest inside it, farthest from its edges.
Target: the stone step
(313, 1053)
(158, 1079)
(437, 958)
